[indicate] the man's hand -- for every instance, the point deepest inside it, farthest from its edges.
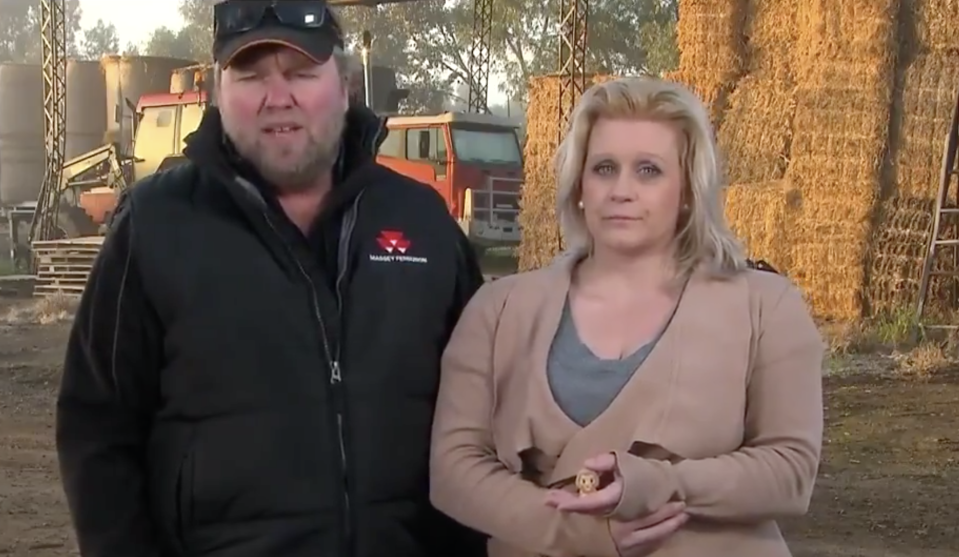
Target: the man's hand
(640, 537)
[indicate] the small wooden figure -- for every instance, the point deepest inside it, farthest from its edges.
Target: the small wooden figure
(587, 482)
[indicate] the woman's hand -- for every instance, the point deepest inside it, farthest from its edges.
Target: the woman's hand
(640, 537)
(634, 538)
(602, 501)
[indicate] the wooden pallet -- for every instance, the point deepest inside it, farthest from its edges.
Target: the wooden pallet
(63, 266)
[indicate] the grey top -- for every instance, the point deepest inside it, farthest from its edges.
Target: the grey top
(582, 383)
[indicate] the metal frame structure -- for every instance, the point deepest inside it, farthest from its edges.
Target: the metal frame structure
(574, 26)
(53, 29)
(480, 56)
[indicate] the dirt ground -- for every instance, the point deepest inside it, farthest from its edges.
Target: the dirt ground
(888, 483)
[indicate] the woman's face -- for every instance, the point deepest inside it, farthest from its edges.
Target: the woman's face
(632, 184)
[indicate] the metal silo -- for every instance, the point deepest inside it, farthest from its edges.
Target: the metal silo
(86, 108)
(181, 81)
(127, 78)
(185, 79)
(21, 133)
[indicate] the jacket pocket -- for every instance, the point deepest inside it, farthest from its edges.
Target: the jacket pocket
(183, 493)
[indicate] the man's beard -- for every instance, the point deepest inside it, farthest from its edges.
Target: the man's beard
(318, 156)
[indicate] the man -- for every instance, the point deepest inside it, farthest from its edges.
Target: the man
(254, 364)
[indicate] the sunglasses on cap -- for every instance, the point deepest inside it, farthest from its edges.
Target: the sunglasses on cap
(240, 16)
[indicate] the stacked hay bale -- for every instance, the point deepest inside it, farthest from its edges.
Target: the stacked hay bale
(843, 67)
(760, 214)
(928, 75)
(756, 133)
(712, 49)
(757, 126)
(541, 240)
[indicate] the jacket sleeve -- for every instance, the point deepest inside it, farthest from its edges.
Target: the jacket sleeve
(469, 276)
(467, 481)
(773, 474)
(107, 396)
(451, 537)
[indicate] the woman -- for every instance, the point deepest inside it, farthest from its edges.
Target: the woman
(652, 355)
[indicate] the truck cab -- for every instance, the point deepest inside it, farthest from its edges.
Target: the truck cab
(473, 160)
(165, 120)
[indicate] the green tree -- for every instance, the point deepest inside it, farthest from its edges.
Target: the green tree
(194, 41)
(99, 40)
(20, 39)
(198, 27)
(167, 42)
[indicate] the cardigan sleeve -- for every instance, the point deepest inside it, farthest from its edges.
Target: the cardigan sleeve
(467, 481)
(773, 474)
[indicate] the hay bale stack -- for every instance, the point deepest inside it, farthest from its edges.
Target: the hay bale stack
(843, 67)
(756, 129)
(897, 250)
(771, 28)
(929, 67)
(760, 214)
(853, 38)
(928, 99)
(936, 23)
(710, 38)
(541, 240)
(537, 217)
(712, 49)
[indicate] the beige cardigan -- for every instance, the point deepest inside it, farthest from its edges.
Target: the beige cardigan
(725, 414)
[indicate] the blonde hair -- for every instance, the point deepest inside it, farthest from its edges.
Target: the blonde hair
(704, 238)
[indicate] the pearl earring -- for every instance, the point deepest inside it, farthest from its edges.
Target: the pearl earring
(580, 205)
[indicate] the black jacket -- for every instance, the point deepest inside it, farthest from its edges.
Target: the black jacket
(235, 389)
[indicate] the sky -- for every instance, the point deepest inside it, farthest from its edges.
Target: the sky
(135, 22)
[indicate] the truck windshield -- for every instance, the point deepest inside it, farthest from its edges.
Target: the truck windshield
(496, 146)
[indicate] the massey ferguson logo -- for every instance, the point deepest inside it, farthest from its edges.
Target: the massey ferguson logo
(393, 242)
(395, 248)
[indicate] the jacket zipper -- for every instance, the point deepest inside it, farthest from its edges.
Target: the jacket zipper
(336, 371)
(336, 377)
(336, 374)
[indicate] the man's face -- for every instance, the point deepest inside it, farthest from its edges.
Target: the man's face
(284, 113)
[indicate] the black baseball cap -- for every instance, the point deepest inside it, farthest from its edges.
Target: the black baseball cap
(304, 25)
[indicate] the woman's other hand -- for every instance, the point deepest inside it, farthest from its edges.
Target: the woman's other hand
(602, 501)
(640, 537)
(634, 538)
